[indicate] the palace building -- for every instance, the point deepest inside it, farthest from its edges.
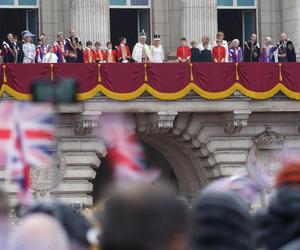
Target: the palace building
(196, 123)
(105, 20)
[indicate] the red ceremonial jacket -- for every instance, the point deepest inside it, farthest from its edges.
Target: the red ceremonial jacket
(120, 52)
(111, 56)
(219, 53)
(183, 52)
(88, 55)
(99, 55)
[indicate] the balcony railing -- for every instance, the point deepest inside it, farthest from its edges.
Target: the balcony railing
(162, 81)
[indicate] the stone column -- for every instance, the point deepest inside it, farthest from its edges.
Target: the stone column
(198, 18)
(269, 19)
(90, 19)
(291, 20)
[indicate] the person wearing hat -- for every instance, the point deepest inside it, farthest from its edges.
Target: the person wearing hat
(60, 48)
(278, 225)
(157, 50)
(141, 51)
(29, 49)
(123, 51)
(221, 220)
(183, 53)
(20, 47)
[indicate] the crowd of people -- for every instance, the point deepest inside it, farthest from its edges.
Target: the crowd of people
(71, 50)
(152, 217)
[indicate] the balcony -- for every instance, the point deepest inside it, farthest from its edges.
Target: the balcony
(200, 87)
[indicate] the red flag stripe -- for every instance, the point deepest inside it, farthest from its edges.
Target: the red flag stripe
(5, 134)
(39, 134)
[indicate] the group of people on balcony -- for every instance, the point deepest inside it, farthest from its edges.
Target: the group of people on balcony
(224, 51)
(71, 50)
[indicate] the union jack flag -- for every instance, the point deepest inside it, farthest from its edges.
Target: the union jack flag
(125, 153)
(26, 139)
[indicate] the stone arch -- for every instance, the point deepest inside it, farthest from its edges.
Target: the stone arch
(189, 176)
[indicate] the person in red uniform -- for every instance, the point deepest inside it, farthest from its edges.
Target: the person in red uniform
(99, 54)
(111, 54)
(88, 54)
(219, 53)
(123, 51)
(183, 51)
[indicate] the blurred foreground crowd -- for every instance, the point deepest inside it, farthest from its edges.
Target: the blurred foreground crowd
(142, 217)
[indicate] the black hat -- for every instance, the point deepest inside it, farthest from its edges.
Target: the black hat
(156, 37)
(221, 220)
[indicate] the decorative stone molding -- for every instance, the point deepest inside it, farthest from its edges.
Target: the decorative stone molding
(166, 119)
(269, 139)
(234, 122)
(86, 124)
(45, 179)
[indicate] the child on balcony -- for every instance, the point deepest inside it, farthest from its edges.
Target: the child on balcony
(183, 52)
(50, 57)
(221, 37)
(219, 52)
(111, 55)
(88, 54)
(205, 54)
(195, 52)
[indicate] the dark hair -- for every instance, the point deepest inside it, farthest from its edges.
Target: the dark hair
(220, 220)
(108, 43)
(97, 44)
(89, 43)
(146, 222)
(121, 39)
(183, 39)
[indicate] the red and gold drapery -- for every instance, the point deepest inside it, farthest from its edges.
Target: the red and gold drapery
(170, 81)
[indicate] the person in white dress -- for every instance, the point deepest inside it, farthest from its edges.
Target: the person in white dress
(157, 50)
(50, 57)
(141, 51)
(29, 48)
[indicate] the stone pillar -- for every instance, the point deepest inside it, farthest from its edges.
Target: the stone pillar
(269, 19)
(198, 18)
(90, 19)
(291, 20)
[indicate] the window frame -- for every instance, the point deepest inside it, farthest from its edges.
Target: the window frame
(129, 6)
(17, 6)
(235, 6)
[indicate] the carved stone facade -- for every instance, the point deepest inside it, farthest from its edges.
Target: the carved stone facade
(201, 141)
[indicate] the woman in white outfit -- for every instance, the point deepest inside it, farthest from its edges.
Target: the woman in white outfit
(29, 48)
(157, 50)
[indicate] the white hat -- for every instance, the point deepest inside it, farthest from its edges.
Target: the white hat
(143, 34)
(28, 34)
